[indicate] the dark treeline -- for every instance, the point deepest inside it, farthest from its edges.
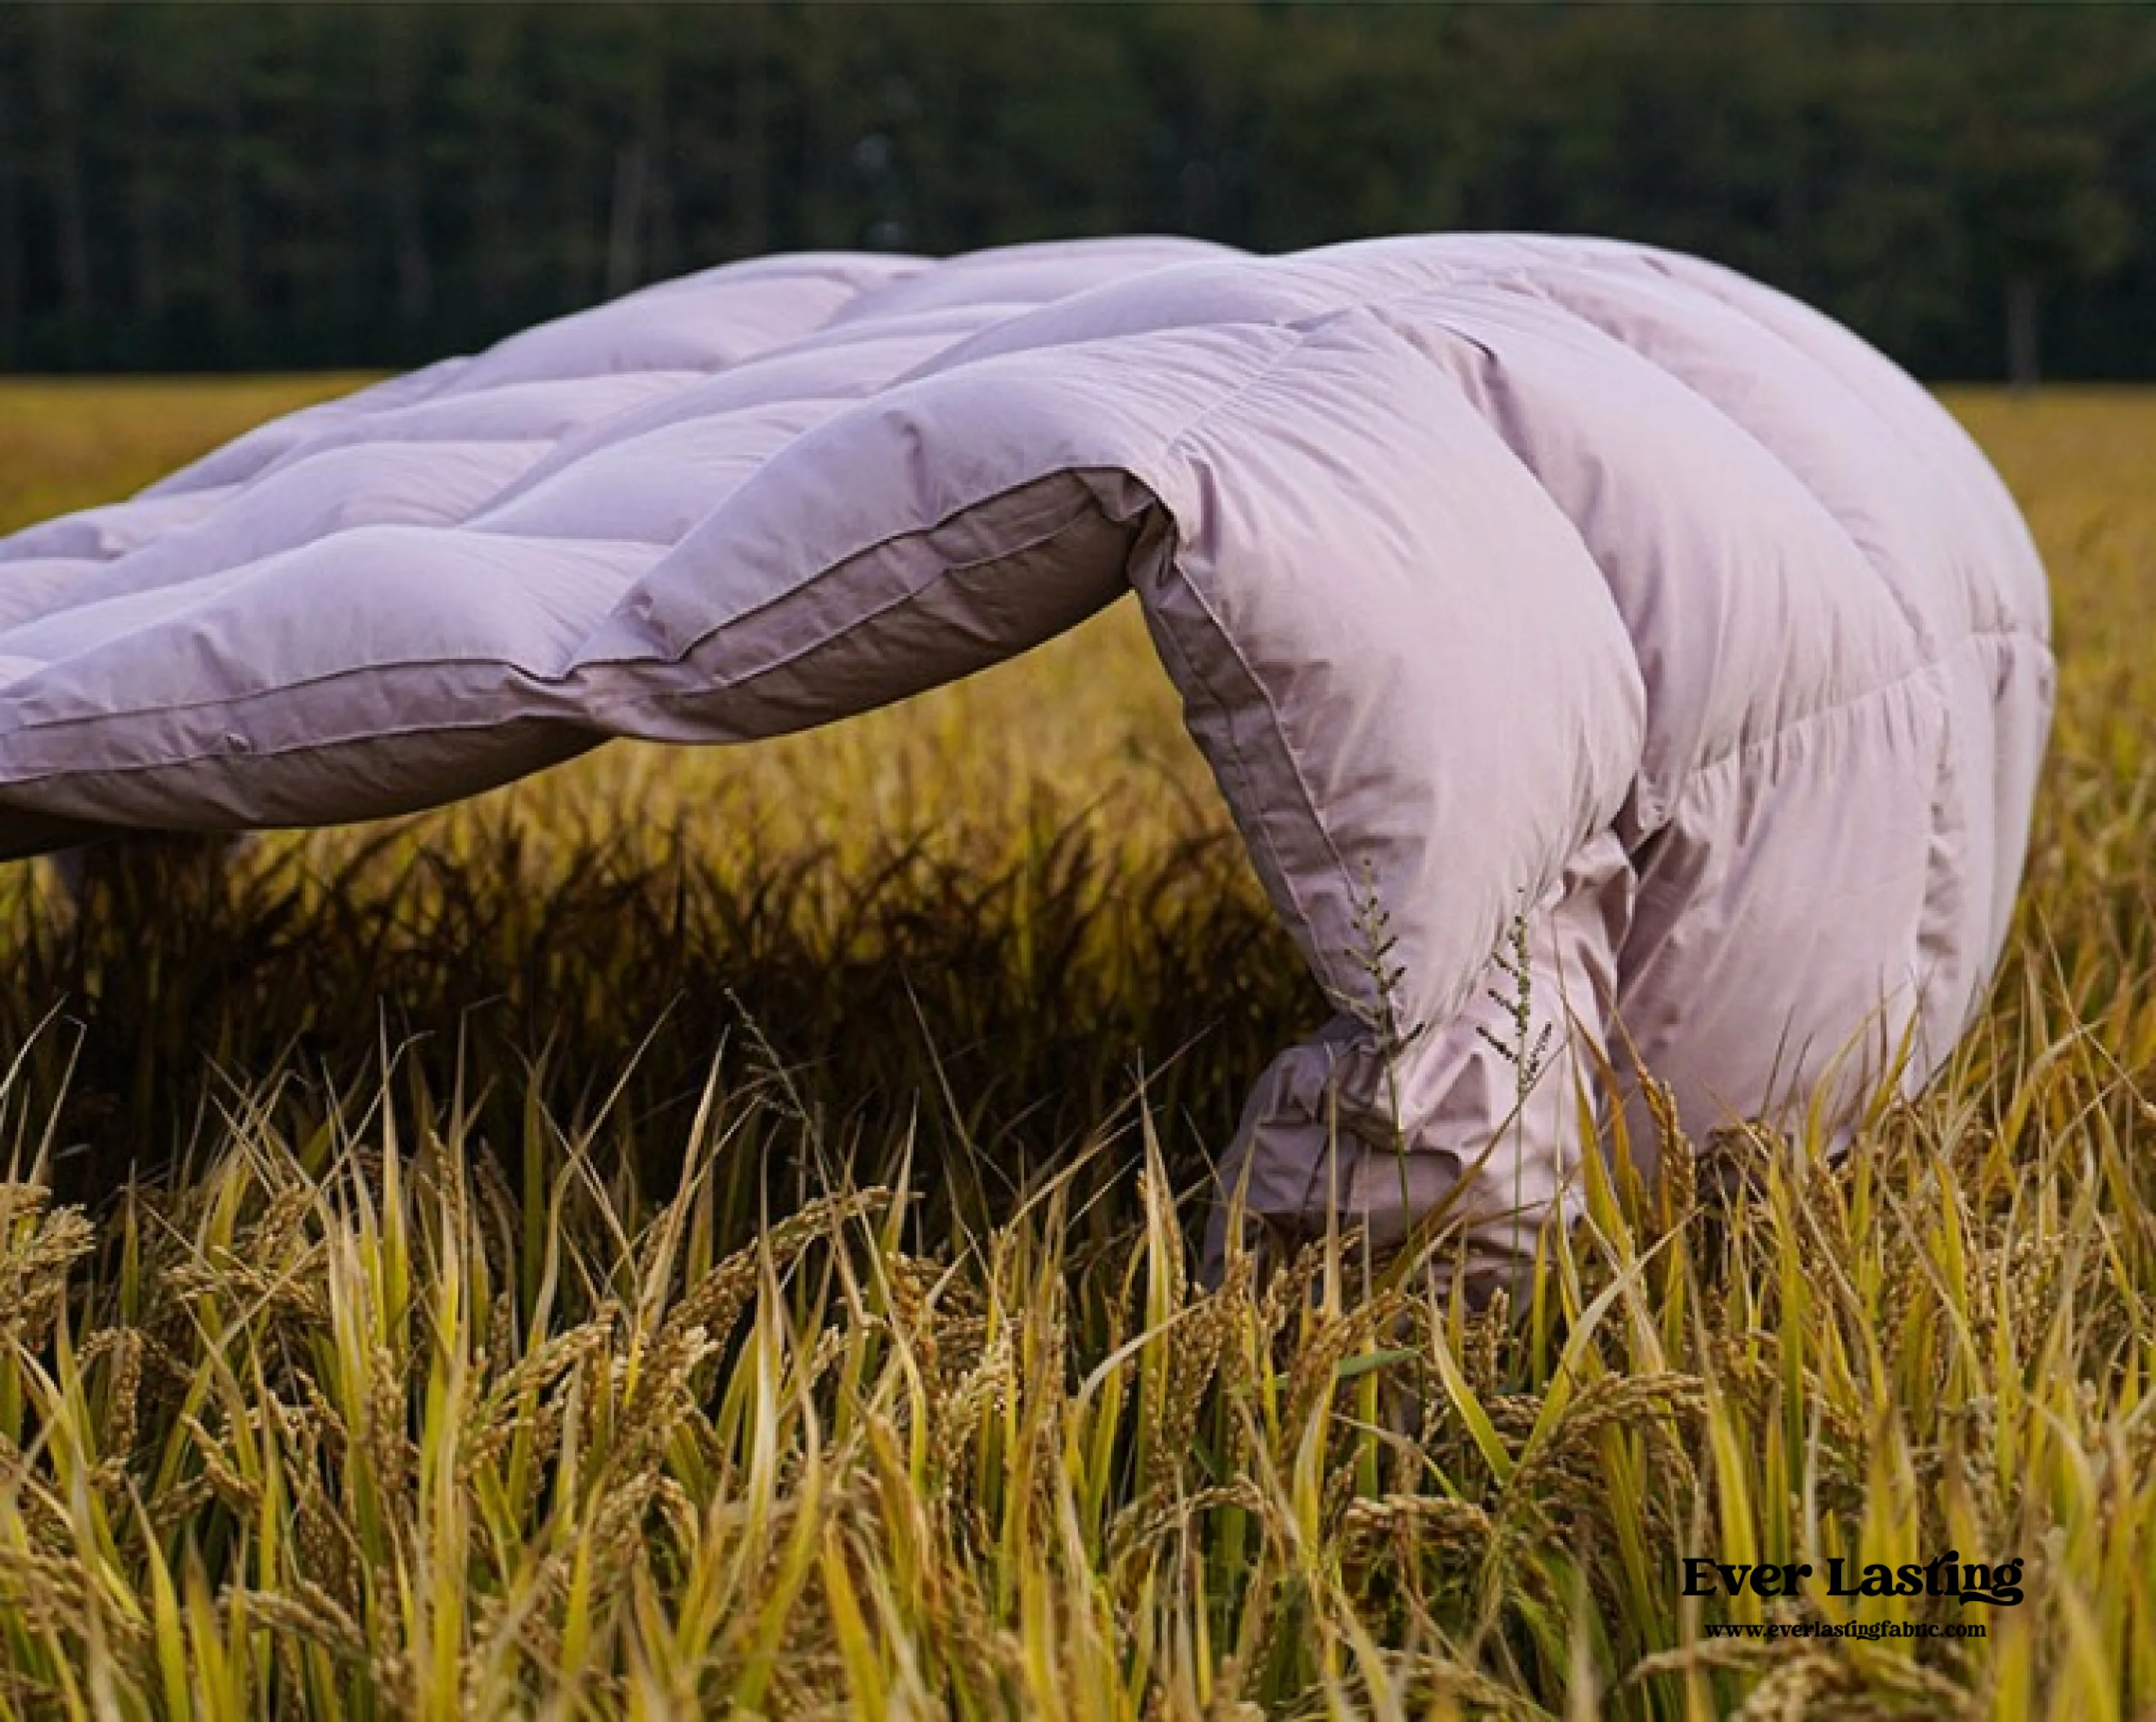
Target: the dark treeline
(282, 186)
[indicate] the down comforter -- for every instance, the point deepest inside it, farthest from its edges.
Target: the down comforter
(1665, 665)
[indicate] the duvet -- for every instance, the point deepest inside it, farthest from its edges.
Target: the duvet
(1612, 665)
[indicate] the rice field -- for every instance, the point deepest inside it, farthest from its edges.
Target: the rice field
(711, 1233)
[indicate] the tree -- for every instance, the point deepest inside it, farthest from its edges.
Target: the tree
(2040, 210)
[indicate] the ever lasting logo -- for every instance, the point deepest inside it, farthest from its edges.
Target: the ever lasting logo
(1948, 1575)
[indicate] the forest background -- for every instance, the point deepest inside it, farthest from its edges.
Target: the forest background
(281, 187)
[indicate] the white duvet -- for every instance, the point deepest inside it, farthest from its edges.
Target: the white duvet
(1510, 582)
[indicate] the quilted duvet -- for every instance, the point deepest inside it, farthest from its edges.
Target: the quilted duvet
(1666, 666)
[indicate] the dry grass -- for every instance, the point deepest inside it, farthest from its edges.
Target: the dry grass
(705, 1232)
(74, 443)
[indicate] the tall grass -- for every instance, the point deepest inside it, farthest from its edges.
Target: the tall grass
(710, 1233)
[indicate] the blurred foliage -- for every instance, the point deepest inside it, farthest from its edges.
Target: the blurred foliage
(199, 187)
